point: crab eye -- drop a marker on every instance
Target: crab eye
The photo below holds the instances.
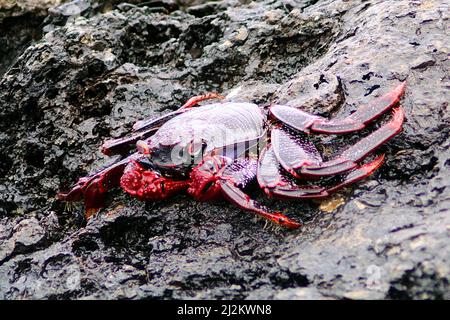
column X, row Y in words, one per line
column 195, row 149
column 143, row 147
column 207, row 186
column 208, row 166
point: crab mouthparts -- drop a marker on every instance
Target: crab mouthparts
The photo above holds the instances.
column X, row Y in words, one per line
column 143, row 147
column 203, row 186
column 131, row 182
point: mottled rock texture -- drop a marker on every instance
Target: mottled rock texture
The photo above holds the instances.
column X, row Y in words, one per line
column 20, row 25
column 96, row 71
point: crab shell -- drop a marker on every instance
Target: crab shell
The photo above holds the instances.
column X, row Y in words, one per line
column 227, row 129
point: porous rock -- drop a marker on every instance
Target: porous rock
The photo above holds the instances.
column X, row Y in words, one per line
column 91, row 76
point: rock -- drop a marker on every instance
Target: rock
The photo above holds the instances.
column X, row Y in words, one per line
column 95, row 72
column 28, row 232
column 21, row 7
column 20, row 25
column 299, row 294
column 312, row 92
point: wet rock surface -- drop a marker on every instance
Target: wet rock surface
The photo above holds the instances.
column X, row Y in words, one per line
column 92, row 76
column 20, row 25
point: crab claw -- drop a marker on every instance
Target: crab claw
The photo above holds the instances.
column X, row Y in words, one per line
column 76, row 193
column 91, row 190
column 93, row 187
column 149, row 185
column 204, row 184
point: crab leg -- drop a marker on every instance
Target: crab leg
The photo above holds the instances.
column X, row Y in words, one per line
column 145, row 128
column 274, row 183
column 196, row 99
column 293, row 117
column 302, row 121
column 300, row 158
column 293, row 151
column 363, row 115
column 270, row 178
column 368, row 144
column 93, row 187
column 347, row 160
column 237, row 176
column 152, row 123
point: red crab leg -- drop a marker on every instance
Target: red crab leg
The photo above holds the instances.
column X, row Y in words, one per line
column 146, row 128
column 363, row 115
column 274, row 183
column 154, row 123
column 359, row 173
column 300, row 158
column 368, row 144
column 293, row 151
column 268, row 174
column 196, row 99
column 93, row 187
column 293, row 117
column 237, row 176
column 347, row 160
column 302, row 121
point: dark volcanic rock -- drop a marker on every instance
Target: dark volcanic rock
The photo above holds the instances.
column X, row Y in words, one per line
column 93, row 75
column 20, row 25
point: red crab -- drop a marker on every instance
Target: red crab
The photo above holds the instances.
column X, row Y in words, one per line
column 219, row 149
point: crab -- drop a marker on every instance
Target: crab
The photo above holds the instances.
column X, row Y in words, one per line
column 219, row 149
